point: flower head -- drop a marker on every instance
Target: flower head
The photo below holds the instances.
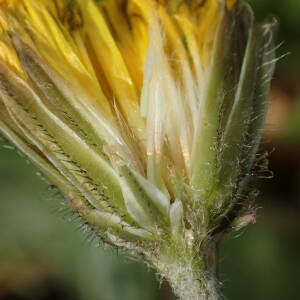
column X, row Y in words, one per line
column 145, row 114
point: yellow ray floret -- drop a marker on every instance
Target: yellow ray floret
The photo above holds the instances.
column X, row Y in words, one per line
column 138, row 68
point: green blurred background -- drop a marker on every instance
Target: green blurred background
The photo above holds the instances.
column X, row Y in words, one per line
column 46, row 254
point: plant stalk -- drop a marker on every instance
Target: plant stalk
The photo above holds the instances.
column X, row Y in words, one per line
column 192, row 276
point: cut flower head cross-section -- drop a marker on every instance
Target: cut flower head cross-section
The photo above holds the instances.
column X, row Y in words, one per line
column 145, row 114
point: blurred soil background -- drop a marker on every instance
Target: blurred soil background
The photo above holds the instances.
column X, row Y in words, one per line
column 43, row 256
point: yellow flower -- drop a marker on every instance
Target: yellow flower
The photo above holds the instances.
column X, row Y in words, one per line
column 145, row 114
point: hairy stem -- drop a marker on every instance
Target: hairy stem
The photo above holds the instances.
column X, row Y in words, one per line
column 192, row 276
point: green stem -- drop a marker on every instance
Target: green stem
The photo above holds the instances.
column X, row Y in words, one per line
column 191, row 278
column 193, row 285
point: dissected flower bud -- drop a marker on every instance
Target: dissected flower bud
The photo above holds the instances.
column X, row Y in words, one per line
column 146, row 115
